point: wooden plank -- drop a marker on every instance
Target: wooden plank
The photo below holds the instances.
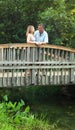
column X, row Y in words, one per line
column 37, row 67
column 36, row 63
column 1, row 54
column 33, row 45
column 72, row 69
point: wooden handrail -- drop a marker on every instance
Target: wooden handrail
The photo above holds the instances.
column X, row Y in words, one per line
column 20, row 45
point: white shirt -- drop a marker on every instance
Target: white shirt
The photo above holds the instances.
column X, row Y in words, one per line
column 43, row 37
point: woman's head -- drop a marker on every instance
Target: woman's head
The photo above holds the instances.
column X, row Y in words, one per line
column 30, row 29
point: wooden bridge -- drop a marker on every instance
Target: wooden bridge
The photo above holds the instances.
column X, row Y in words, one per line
column 26, row 64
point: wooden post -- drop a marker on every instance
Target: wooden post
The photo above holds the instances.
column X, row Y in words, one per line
column 72, row 69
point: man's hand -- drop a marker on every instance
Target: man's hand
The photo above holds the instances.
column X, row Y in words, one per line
column 38, row 43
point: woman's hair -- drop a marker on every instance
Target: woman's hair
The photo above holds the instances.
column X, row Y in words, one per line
column 29, row 29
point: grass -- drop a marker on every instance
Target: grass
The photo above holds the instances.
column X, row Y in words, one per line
column 60, row 115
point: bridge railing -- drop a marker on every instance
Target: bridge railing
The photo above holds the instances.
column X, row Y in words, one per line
column 26, row 64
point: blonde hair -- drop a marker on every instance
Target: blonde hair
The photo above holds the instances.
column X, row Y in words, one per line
column 29, row 29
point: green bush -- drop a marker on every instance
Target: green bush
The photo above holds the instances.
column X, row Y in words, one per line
column 15, row 116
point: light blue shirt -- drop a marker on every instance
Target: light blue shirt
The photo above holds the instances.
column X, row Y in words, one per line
column 43, row 37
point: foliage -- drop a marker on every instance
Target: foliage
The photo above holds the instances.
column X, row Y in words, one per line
column 54, row 112
column 58, row 16
column 60, row 24
column 12, row 21
column 15, row 116
column 15, row 16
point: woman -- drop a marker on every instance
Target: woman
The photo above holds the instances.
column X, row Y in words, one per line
column 30, row 39
column 30, row 34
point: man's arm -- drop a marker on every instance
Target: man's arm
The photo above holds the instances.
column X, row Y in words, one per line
column 46, row 38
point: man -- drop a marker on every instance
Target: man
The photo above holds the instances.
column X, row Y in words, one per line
column 41, row 36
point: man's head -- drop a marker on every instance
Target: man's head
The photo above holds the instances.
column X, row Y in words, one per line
column 41, row 28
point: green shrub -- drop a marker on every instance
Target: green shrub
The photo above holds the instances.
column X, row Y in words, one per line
column 15, row 116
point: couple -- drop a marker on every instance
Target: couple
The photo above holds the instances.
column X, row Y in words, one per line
column 38, row 37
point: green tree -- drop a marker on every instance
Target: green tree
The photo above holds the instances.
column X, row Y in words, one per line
column 11, row 21
column 15, row 16
column 58, row 16
column 59, row 23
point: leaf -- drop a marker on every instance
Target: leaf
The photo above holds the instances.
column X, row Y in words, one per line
column 5, row 98
column 17, row 120
column 27, row 109
column 22, row 102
